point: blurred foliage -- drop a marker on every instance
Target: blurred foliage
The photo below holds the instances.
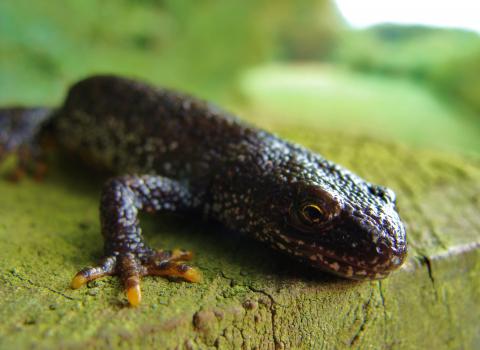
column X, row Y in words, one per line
column 310, row 32
column 459, row 78
column 209, row 48
column 448, row 59
column 199, row 46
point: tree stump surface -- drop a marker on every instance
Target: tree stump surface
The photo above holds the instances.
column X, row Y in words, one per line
column 250, row 297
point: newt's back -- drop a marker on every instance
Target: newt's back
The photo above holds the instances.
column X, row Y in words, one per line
column 125, row 125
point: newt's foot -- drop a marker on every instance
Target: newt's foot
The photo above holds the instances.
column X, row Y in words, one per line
column 19, row 141
column 25, row 161
column 32, row 169
column 130, row 268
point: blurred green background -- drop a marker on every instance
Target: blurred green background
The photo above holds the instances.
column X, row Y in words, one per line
column 276, row 63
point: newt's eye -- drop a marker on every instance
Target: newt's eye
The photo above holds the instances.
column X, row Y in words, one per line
column 313, row 209
column 312, row 214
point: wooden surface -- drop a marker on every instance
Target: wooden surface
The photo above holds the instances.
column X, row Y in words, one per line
column 251, row 297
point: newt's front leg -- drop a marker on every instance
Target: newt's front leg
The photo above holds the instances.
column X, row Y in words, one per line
column 125, row 251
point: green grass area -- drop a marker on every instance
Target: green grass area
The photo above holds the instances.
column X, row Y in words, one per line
column 328, row 98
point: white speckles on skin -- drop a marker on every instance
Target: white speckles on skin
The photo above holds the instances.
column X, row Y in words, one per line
column 329, row 253
column 335, row 266
column 396, row 260
column 285, row 238
column 349, row 271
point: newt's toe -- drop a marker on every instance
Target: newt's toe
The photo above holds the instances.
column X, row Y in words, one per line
column 130, row 268
column 28, row 164
column 175, row 269
column 132, row 290
column 173, row 255
column 193, row 275
column 78, row 281
column 106, row 267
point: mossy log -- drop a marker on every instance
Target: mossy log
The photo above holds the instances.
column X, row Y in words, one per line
column 250, row 297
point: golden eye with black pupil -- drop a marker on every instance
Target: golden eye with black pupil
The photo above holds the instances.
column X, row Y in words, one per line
column 312, row 213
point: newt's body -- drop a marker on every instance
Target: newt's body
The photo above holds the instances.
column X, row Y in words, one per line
column 189, row 156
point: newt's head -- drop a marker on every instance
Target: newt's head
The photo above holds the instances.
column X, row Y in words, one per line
column 336, row 221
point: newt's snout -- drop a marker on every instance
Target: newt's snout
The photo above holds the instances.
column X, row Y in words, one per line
column 361, row 251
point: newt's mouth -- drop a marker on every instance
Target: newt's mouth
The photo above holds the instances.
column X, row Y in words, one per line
column 347, row 256
column 353, row 268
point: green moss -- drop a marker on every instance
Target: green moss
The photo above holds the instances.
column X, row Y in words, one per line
column 250, row 295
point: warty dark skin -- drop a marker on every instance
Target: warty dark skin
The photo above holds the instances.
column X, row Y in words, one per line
column 176, row 153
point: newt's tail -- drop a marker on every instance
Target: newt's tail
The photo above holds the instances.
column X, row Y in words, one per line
column 20, row 132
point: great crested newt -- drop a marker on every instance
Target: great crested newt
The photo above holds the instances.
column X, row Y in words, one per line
column 175, row 153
